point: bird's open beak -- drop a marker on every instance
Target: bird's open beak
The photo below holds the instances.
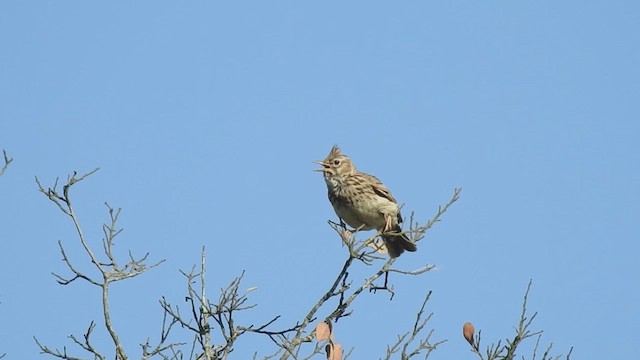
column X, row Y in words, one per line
column 325, row 166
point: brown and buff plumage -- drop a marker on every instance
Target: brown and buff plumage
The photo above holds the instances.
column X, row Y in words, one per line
column 363, row 202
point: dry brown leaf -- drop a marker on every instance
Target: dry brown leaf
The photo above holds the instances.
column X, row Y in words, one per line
column 323, row 331
column 333, row 351
column 467, row 332
column 336, row 353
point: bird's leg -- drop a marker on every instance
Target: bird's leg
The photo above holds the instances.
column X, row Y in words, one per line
column 387, row 223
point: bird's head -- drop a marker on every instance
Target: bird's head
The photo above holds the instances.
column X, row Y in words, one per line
column 336, row 166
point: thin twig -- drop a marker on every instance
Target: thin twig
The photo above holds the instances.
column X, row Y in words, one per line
column 7, row 161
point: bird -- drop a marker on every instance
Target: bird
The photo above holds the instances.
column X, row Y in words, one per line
column 361, row 201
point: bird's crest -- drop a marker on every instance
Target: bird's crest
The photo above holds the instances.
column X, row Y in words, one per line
column 335, row 151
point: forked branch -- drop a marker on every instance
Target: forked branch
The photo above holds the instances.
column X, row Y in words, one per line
column 213, row 324
column 109, row 271
column 7, row 161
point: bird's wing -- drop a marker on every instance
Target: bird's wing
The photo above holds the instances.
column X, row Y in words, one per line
column 380, row 189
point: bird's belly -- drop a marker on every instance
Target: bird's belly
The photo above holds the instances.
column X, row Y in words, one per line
column 361, row 218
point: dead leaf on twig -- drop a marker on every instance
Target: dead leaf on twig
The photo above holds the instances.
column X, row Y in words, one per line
column 323, row 331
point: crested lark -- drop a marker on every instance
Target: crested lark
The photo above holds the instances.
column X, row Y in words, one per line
column 363, row 202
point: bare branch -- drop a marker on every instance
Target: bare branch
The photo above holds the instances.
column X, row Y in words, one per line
column 86, row 344
column 508, row 352
column 405, row 340
column 7, row 161
column 419, row 231
column 162, row 346
column 78, row 274
column 424, row 344
column 55, row 352
column 207, row 316
column 110, row 271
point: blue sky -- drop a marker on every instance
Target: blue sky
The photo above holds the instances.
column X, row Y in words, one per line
column 205, row 119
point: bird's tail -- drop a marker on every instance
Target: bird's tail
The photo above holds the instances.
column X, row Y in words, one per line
column 397, row 243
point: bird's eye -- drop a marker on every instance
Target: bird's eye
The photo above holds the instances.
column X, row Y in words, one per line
column 336, row 162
